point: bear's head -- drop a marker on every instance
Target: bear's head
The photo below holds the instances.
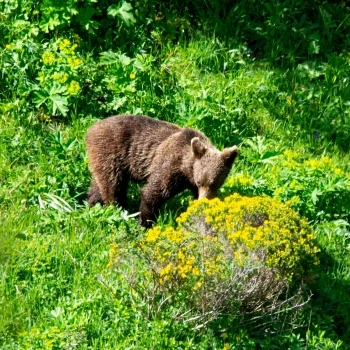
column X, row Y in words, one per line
column 210, row 167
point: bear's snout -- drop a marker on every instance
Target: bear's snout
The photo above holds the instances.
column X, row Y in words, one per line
column 205, row 192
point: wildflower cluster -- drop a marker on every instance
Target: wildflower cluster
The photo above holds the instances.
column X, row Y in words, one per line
column 51, row 338
column 260, row 229
column 224, row 256
column 240, row 180
column 175, row 258
column 73, row 87
column 317, row 188
column 48, row 57
column 60, row 65
column 60, row 77
column 242, row 183
column 113, row 254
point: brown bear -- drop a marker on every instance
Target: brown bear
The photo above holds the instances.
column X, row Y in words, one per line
column 164, row 156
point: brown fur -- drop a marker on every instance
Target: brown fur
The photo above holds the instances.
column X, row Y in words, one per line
column 169, row 159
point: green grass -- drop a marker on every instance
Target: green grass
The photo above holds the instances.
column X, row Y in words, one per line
column 242, row 74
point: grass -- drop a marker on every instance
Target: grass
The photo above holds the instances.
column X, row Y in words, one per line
column 264, row 86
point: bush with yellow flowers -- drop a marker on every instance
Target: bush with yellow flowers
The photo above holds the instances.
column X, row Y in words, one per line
column 238, row 256
column 59, row 78
column 317, row 188
column 63, row 72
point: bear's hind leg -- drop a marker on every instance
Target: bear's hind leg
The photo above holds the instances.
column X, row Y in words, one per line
column 113, row 187
column 94, row 194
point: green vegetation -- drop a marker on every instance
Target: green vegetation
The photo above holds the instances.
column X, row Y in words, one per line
column 271, row 77
column 271, row 246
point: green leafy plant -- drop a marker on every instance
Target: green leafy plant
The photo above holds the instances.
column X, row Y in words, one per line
column 316, row 187
column 58, row 78
column 53, row 98
column 123, row 12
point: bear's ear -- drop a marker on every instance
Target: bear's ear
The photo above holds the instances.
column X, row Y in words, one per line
column 198, row 147
column 229, row 155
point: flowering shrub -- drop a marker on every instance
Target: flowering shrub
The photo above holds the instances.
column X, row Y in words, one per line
column 234, row 256
column 317, row 188
column 59, row 79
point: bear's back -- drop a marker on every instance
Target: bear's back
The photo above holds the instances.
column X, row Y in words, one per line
column 128, row 127
column 132, row 139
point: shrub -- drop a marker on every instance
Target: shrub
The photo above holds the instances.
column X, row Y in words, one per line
column 241, row 256
column 317, row 187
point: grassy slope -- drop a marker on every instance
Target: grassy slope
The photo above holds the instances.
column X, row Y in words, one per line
column 55, row 286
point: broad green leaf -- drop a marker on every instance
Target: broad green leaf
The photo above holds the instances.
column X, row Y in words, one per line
column 113, row 10
column 57, row 312
column 315, row 194
column 60, row 103
column 111, row 57
column 314, row 47
column 125, row 60
column 54, row 99
column 270, row 157
column 123, row 12
column 47, row 24
column 85, row 15
column 34, row 31
column 57, row 89
column 41, row 97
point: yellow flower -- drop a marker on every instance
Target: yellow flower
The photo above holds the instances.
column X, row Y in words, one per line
column 113, row 255
column 166, row 270
column 196, row 271
column 313, row 164
column 339, row 172
column 198, row 285
column 73, row 87
column 74, row 61
column 295, row 200
column 64, row 46
column 294, row 185
column 327, row 160
column 153, row 234
column 213, row 236
column 278, row 192
column 8, row 46
column 60, row 77
column 132, row 76
column 290, row 154
column 48, row 57
column 240, row 180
